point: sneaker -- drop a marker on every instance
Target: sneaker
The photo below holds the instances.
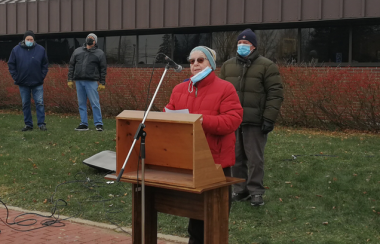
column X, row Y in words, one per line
column 27, row 127
column 82, row 127
column 257, row 200
column 43, row 128
column 238, row 197
column 99, row 127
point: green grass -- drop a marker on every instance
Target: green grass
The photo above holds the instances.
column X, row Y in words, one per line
column 340, row 187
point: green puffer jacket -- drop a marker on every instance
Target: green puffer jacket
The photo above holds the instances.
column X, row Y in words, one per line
column 258, row 84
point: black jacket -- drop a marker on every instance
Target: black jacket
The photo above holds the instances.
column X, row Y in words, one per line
column 258, row 84
column 88, row 64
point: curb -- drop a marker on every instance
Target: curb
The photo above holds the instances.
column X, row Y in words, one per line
column 175, row 239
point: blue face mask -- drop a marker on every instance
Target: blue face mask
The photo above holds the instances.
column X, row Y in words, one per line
column 28, row 43
column 244, row 49
column 201, row 75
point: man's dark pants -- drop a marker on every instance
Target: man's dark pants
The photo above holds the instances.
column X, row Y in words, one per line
column 249, row 164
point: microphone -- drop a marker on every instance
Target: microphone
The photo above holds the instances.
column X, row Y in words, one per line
column 176, row 67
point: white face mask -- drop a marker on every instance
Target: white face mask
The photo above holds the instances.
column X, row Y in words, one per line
column 198, row 77
column 201, row 75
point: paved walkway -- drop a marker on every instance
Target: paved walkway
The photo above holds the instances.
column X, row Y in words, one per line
column 73, row 231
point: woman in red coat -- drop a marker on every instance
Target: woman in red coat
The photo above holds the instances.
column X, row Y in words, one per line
column 216, row 99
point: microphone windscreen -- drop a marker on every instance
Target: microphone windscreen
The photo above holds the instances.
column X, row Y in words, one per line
column 179, row 68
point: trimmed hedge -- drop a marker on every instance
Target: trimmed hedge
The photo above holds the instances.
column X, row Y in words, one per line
column 345, row 98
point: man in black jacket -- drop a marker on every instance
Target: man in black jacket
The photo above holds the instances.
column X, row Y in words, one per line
column 258, row 84
column 88, row 65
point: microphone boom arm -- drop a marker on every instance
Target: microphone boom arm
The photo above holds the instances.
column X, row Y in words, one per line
column 142, row 125
column 141, row 133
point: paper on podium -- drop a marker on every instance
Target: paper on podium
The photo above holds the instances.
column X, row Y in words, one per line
column 180, row 111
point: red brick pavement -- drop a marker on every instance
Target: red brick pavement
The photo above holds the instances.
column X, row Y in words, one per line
column 69, row 233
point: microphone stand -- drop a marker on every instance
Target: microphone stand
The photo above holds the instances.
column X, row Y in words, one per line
column 141, row 133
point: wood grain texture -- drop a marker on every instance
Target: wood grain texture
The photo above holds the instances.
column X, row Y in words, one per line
column 177, row 152
column 210, row 206
column 179, row 203
column 229, row 181
column 216, row 216
column 136, row 215
column 205, row 170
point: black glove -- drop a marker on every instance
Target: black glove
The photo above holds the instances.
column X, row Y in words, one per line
column 267, row 126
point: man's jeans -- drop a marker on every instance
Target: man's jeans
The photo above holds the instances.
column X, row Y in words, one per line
column 88, row 89
column 38, row 97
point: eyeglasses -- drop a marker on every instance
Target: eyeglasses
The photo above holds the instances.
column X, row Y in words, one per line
column 199, row 60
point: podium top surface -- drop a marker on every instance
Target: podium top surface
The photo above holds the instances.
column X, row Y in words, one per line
column 229, row 181
column 159, row 116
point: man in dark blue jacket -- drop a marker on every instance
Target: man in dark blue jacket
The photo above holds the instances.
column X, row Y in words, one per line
column 88, row 65
column 28, row 65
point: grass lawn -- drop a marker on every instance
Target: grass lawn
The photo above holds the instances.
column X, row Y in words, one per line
column 328, row 193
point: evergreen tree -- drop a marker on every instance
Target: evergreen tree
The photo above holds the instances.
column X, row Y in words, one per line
column 165, row 48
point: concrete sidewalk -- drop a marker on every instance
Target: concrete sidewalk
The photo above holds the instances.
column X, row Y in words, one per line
column 73, row 231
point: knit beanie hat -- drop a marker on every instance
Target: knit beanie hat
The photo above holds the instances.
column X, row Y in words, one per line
column 94, row 36
column 210, row 54
column 248, row 35
column 29, row 33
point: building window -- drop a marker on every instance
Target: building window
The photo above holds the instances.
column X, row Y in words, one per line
column 184, row 43
column 41, row 42
column 366, row 44
column 121, row 50
column 151, row 45
column 79, row 42
column 224, row 43
column 325, row 45
column 59, row 50
column 280, row 46
column 6, row 48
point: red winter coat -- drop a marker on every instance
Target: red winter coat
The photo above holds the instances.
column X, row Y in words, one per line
column 218, row 102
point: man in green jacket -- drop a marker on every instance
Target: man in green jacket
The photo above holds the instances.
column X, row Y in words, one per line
column 258, row 84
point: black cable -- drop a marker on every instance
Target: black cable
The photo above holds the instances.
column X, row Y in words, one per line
column 44, row 223
column 54, row 219
column 88, row 183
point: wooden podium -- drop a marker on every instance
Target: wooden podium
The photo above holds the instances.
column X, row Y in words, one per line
column 181, row 177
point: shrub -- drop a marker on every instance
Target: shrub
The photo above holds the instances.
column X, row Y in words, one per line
column 331, row 97
column 321, row 97
column 126, row 89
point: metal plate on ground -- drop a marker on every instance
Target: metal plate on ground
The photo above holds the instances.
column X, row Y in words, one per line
column 105, row 160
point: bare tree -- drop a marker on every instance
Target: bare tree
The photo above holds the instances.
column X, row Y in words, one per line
column 224, row 44
column 267, row 42
column 126, row 51
column 277, row 45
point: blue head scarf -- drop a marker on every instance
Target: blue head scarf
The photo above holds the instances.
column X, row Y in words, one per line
column 210, row 54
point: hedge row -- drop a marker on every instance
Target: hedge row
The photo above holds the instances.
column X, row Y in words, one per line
column 345, row 98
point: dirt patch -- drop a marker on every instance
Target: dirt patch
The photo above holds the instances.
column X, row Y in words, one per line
column 4, row 190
